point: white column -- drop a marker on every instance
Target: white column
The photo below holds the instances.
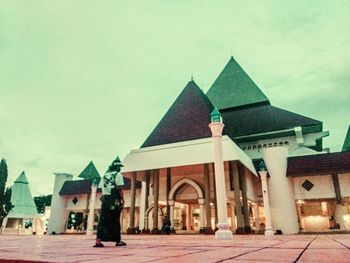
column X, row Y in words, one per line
column 233, row 217
column 58, row 205
column 256, row 215
column 142, row 206
column 268, row 224
column 91, row 216
column 223, row 231
column 171, row 204
column 339, row 216
column 188, row 218
column 201, row 213
column 281, row 193
column 301, row 221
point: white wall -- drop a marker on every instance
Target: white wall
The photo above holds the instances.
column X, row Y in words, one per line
column 344, row 182
column 82, row 203
column 323, row 187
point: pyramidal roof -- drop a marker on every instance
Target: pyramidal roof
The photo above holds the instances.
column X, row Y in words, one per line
column 90, row 172
column 187, row 119
column 234, row 88
column 22, row 200
column 346, row 145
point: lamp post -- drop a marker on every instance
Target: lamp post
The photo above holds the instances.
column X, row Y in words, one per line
column 263, row 177
column 216, row 127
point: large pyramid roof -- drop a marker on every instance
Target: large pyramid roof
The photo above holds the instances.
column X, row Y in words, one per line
column 234, row 88
column 187, row 119
column 22, row 200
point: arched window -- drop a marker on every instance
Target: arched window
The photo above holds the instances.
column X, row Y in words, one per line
column 254, row 147
column 249, row 147
column 275, row 144
column 286, row 143
column 270, row 144
column 281, row 143
column 259, row 146
column 265, row 145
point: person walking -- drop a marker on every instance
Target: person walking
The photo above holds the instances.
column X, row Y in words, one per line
column 108, row 228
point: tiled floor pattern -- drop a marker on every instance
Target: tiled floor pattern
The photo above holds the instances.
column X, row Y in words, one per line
column 178, row 248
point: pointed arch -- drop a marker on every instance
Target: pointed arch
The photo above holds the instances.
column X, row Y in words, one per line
column 151, row 207
column 183, row 181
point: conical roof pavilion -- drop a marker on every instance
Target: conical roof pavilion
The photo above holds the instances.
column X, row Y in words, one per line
column 187, row 119
column 22, row 200
column 234, row 88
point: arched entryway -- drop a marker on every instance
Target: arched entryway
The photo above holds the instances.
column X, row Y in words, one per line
column 149, row 217
column 186, row 201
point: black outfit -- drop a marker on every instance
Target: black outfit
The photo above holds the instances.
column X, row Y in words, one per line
column 166, row 226
column 108, row 228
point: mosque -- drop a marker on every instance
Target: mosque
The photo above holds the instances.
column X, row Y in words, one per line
column 226, row 160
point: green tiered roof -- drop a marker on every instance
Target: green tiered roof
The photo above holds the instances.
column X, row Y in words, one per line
column 346, row 145
column 22, row 200
column 90, row 172
column 234, row 88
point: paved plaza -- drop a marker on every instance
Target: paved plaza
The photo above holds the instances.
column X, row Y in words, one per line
column 177, row 248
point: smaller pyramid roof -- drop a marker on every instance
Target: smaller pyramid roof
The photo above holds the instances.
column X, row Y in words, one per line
column 90, row 172
column 22, row 200
column 234, row 88
column 346, row 145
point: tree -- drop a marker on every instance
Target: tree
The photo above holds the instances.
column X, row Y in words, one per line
column 42, row 201
column 5, row 193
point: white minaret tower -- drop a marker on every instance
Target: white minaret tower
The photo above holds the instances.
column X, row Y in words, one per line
column 58, row 205
column 216, row 127
column 280, row 190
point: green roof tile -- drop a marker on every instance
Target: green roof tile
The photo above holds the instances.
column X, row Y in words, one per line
column 234, row 88
column 90, row 172
column 346, row 145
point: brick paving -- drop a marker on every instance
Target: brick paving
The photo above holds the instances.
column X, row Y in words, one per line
column 177, row 248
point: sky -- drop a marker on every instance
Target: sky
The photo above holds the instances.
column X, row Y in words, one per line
column 89, row 80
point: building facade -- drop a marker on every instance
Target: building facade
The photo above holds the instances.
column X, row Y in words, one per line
column 174, row 173
column 175, row 164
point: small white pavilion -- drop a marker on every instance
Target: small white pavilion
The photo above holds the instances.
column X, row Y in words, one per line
column 22, row 217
